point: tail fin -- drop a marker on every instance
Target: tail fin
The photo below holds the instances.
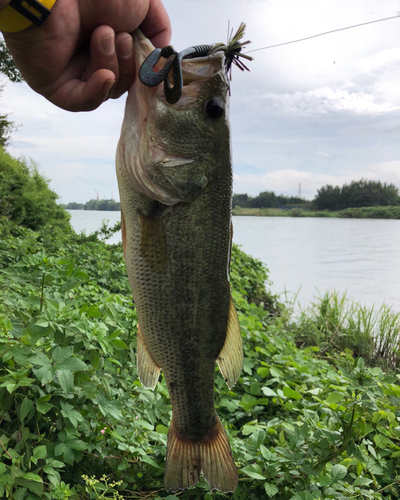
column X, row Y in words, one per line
column 212, row 456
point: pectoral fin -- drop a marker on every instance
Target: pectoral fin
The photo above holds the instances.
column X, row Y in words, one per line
column 230, row 359
column 148, row 370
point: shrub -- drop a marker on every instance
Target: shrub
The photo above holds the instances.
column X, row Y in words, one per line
column 297, row 212
column 25, row 196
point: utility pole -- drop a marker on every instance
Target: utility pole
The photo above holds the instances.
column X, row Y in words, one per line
column 299, row 189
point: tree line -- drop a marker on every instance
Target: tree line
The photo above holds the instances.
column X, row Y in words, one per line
column 363, row 193
column 107, row 205
column 357, row 194
column 268, row 199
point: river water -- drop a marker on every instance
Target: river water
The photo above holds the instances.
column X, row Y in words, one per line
column 309, row 255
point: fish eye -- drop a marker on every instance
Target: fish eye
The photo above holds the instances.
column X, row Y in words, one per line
column 215, row 108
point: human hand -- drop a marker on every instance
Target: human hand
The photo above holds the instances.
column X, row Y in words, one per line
column 83, row 53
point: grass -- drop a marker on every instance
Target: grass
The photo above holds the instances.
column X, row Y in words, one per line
column 335, row 324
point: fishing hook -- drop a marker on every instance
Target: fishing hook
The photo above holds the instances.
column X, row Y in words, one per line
column 152, row 78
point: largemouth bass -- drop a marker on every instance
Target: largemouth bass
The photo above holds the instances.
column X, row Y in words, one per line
column 175, row 181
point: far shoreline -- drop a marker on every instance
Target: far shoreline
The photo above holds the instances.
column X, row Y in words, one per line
column 389, row 212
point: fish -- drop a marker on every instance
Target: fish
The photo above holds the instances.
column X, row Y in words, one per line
column 174, row 174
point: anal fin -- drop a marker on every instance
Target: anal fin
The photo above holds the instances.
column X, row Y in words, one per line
column 148, row 370
column 211, row 455
column 230, row 359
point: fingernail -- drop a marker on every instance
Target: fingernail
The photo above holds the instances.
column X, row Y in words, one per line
column 108, row 45
column 107, row 87
column 125, row 47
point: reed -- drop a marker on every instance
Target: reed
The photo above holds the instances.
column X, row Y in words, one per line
column 335, row 323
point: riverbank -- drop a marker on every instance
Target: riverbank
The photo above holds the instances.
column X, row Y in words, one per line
column 307, row 417
column 391, row 212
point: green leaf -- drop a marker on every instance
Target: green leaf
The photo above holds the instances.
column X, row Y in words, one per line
column 40, row 452
column 275, row 372
column 94, row 358
column 26, row 406
column 267, row 454
column 338, row 472
column 290, row 393
column 263, row 372
column 247, row 429
column 66, row 379
column 69, row 412
column 253, row 471
column 269, row 392
column 119, row 344
column 42, row 406
column 32, row 477
column 271, row 489
column 257, row 438
column 150, row 461
column 162, row 429
column 334, row 397
column 381, row 441
column 111, row 408
column 362, row 481
column 40, row 359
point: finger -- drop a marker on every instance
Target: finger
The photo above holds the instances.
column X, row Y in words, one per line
column 102, row 53
column 126, row 61
column 76, row 95
column 157, row 26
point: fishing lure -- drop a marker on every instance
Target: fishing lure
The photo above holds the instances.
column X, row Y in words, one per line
column 233, row 54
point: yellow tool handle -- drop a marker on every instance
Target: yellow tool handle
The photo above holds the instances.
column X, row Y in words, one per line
column 12, row 19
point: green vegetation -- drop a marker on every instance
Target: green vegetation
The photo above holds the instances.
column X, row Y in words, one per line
column 371, row 213
column 306, row 420
column 25, row 196
column 6, row 125
column 7, row 66
column 110, row 205
column 315, row 414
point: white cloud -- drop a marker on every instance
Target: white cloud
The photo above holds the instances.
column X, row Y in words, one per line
column 325, row 100
column 387, row 171
column 287, row 182
column 384, row 60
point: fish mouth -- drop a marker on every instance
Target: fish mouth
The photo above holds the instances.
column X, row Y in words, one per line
column 145, row 153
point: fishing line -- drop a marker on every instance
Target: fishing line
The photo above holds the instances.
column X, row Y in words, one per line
column 324, row 33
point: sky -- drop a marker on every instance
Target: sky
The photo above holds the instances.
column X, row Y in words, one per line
column 317, row 112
